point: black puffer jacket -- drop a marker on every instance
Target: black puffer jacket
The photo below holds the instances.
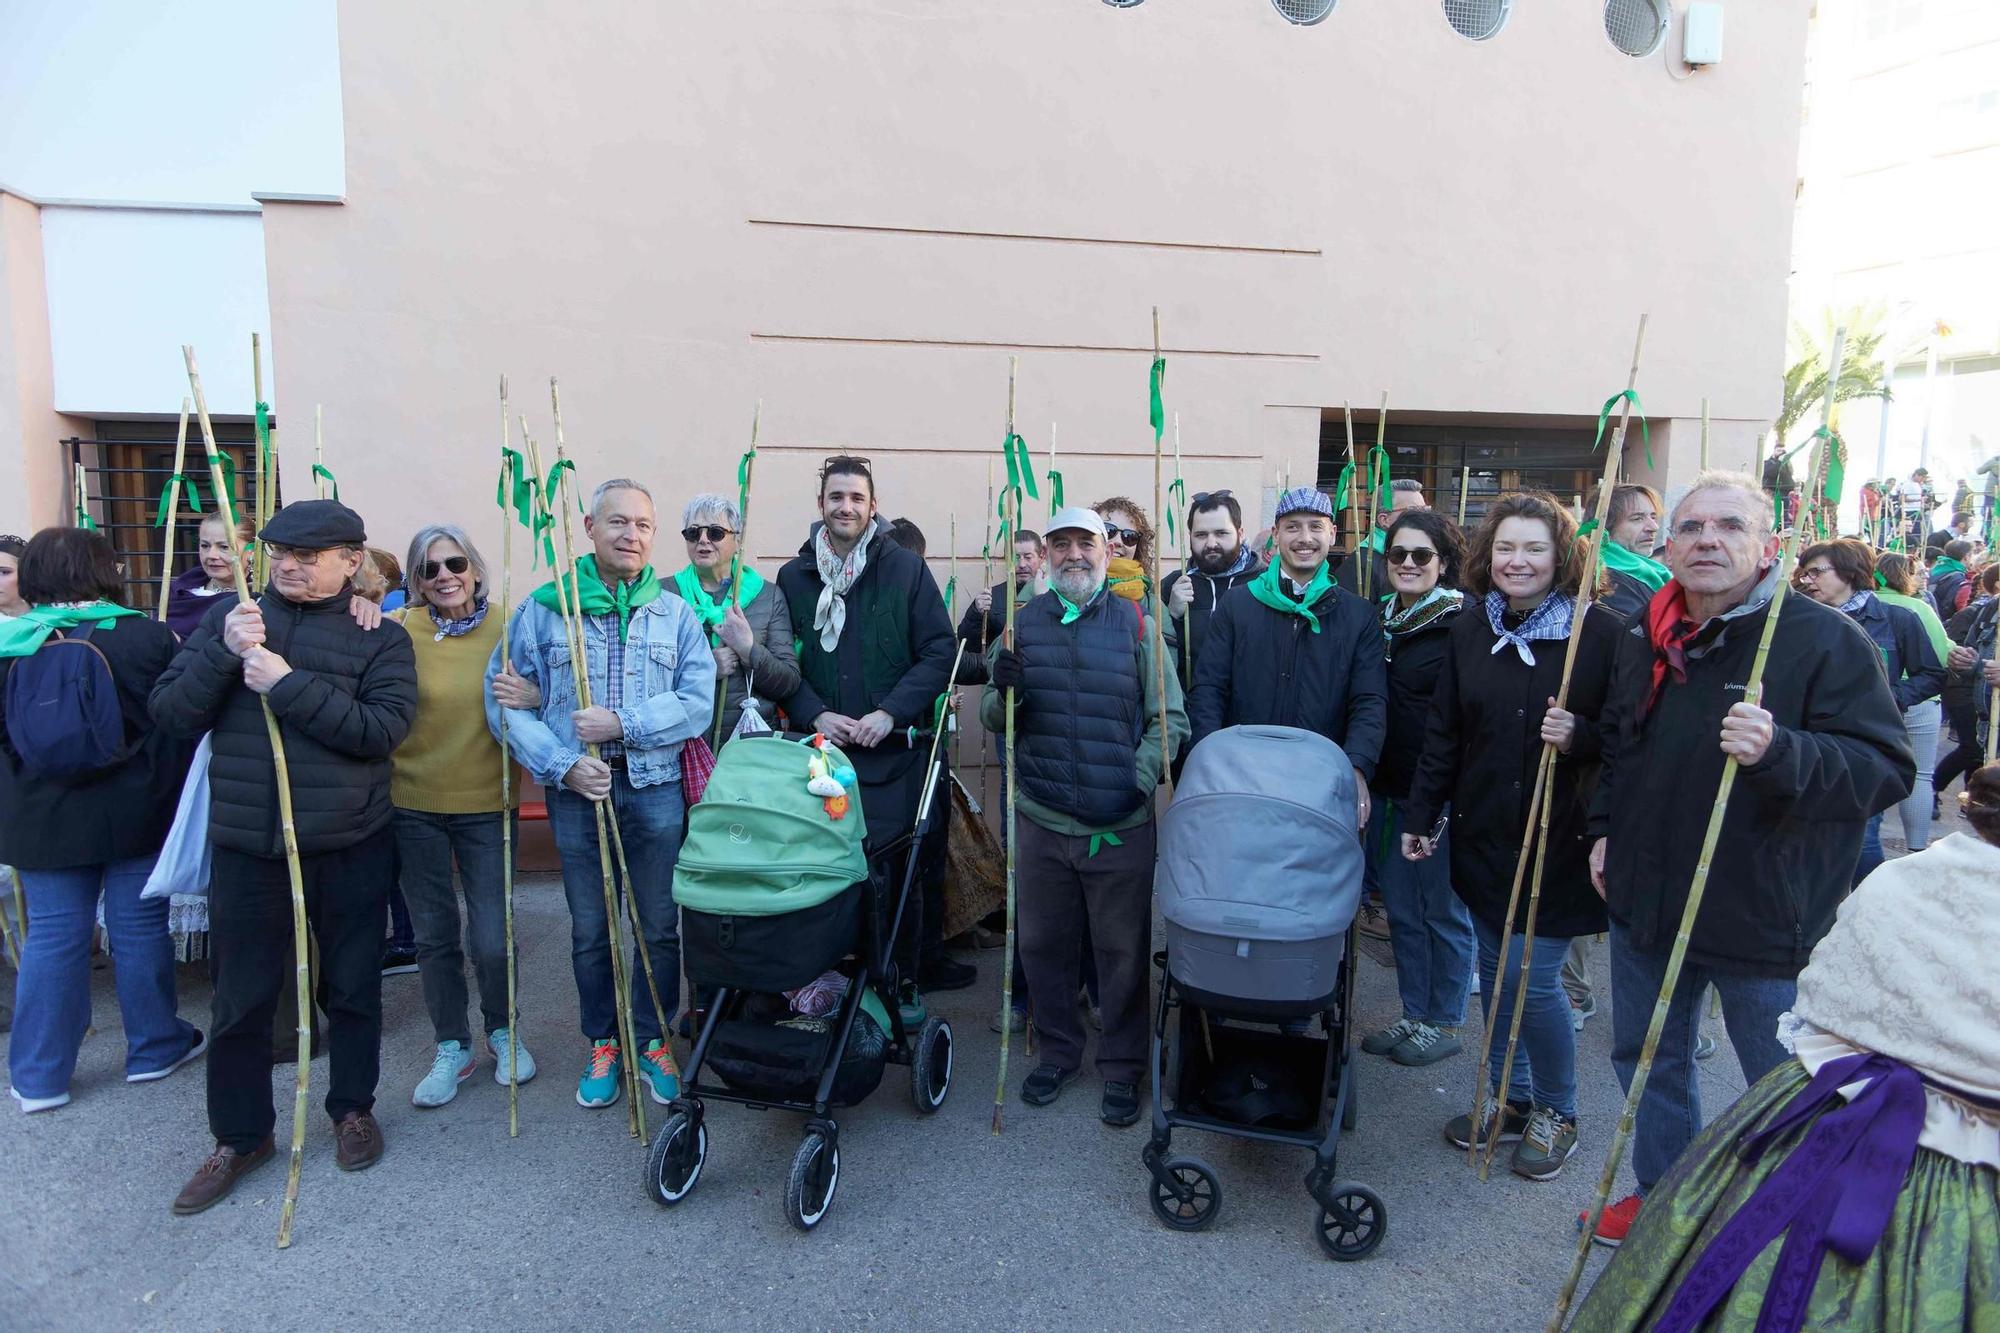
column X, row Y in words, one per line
column 1627, row 596
column 1209, row 590
column 1481, row 752
column 346, row 705
column 1415, row 658
column 1081, row 708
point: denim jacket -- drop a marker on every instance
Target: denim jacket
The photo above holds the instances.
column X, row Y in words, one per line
column 669, row 689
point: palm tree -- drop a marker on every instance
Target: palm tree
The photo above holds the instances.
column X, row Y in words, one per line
column 1860, row 366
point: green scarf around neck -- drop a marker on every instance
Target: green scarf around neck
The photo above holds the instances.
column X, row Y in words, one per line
column 28, row 631
column 1947, row 565
column 1643, row 568
column 596, row 598
column 1071, row 610
column 1267, row 589
column 708, row 607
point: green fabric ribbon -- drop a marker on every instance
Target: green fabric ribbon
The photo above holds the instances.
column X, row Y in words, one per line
column 1156, row 407
column 30, row 630
column 1020, row 465
column 1267, row 589
column 552, row 488
column 264, row 433
column 1632, row 564
column 1099, row 840
column 1881, row 583
column 1378, row 467
column 515, row 489
column 709, row 609
column 1836, row 463
column 321, row 470
column 1055, row 492
column 167, row 493
column 1176, row 502
column 227, row 505
column 1947, row 565
column 743, row 469
column 1343, row 488
column 950, row 593
column 1604, row 417
column 1070, row 609
column 595, row 598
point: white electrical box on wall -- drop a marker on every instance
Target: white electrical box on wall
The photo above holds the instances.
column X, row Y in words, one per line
column 1701, row 34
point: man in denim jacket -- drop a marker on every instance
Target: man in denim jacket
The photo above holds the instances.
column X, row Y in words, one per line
column 652, row 686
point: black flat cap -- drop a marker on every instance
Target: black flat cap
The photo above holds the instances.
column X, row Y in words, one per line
column 315, row 525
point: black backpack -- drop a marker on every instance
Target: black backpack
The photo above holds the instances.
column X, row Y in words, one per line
column 63, row 715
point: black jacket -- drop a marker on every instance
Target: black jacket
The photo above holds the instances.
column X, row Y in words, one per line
column 1793, row 828
column 1187, row 634
column 1627, row 596
column 118, row 814
column 979, row 633
column 1482, row 749
column 1266, row 667
column 1908, row 657
column 1081, row 709
column 346, row 705
column 1414, row 659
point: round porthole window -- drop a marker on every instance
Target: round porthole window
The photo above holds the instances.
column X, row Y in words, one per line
column 1303, row 12
column 1477, row 19
column 1636, row 27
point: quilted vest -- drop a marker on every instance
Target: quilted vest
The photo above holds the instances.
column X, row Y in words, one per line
column 1081, row 714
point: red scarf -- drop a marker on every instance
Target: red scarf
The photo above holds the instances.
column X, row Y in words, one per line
column 1668, row 629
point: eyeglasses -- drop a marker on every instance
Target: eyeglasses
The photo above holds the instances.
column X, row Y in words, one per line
column 299, row 554
column 1692, row 529
column 457, row 564
column 1420, row 556
column 1130, row 536
column 1203, row 499
column 1815, row 573
column 715, row 532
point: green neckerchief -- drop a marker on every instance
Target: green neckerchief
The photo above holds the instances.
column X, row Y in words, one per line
column 596, row 599
column 1376, row 538
column 1947, row 565
column 1072, row 610
column 1643, row 568
column 1267, row 589
column 31, row 629
column 705, row 605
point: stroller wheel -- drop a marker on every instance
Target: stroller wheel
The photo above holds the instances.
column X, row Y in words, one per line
column 815, row 1175
column 1352, row 1221
column 674, row 1164
column 1195, row 1199
column 930, row 1065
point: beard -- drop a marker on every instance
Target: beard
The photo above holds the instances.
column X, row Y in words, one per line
column 1077, row 584
column 1214, row 562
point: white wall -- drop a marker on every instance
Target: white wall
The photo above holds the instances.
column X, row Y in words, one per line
column 126, row 289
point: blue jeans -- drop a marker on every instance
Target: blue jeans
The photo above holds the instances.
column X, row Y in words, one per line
column 1670, row 1110
column 429, row 843
column 650, row 819
column 52, row 995
column 1429, row 928
column 1871, row 850
column 1545, row 1059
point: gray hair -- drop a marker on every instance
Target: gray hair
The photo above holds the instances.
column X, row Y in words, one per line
column 1406, row 484
column 707, row 505
column 1743, row 482
column 420, row 549
column 605, row 488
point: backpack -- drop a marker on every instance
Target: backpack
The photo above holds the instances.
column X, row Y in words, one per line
column 63, row 714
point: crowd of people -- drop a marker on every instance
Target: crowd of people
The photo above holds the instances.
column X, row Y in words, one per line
column 1472, row 654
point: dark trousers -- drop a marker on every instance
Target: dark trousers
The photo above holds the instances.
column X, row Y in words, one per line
column 933, row 864
column 250, row 931
column 430, row 843
column 1061, row 888
column 1971, row 749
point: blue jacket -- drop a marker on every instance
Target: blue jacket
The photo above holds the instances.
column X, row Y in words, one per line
column 1915, row 674
column 668, row 697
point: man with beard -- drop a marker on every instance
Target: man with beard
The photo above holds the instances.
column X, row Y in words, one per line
column 979, row 628
column 875, row 651
column 1087, row 721
column 1221, row 562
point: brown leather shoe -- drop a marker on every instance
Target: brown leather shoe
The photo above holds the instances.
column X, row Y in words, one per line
column 357, row 1141
column 213, row 1180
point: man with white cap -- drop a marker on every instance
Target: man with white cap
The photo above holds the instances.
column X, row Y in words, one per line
column 1087, row 719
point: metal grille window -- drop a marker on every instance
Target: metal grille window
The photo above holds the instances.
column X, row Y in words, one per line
column 1635, row 27
column 1303, row 12
column 1477, row 19
column 1123, row 4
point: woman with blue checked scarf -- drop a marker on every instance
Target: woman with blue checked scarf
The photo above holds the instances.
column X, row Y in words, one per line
column 1493, row 709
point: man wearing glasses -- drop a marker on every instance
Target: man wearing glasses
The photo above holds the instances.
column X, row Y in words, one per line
column 749, row 627
column 344, row 698
column 1222, row 560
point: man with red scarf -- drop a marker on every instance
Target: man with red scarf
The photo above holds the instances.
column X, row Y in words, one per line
column 1822, row 751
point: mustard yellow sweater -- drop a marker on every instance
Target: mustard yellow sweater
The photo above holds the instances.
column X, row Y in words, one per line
column 450, row 763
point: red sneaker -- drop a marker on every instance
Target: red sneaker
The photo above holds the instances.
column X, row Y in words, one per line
column 1615, row 1221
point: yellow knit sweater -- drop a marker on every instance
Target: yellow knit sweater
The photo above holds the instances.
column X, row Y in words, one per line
column 450, row 763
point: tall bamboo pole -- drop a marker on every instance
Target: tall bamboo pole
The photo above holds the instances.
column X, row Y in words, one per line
column 736, row 569
column 1007, row 782
column 300, row 955
column 957, row 731
column 1464, row 486
column 258, row 498
column 985, row 584
column 172, row 506
column 1366, row 574
column 1704, row 434
column 1187, row 570
column 1753, row 693
column 507, row 480
column 1353, row 496
column 1159, row 606
column 319, row 451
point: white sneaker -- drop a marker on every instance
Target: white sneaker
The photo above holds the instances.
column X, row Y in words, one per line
column 496, row 1042
column 30, row 1105
column 452, row 1067
column 194, row 1051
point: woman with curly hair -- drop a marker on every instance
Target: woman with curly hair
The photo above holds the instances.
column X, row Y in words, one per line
column 1130, row 535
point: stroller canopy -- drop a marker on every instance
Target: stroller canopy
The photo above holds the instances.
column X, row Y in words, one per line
column 760, row 844
column 1260, row 843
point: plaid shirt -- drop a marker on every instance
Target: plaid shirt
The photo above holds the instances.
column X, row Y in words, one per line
column 614, row 679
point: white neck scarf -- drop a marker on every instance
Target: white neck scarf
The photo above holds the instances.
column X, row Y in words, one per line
column 836, row 576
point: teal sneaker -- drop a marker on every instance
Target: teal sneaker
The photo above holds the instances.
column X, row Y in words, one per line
column 451, row 1067
column 497, row 1042
column 663, row 1076
column 599, row 1084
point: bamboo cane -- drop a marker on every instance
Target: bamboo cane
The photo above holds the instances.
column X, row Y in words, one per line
column 985, row 583
column 173, row 505
column 300, row 953
column 1464, row 486
column 1544, row 798
column 319, row 451
column 1159, row 607
column 1007, row 817
column 957, row 731
column 258, row 513
column 507, row 776
column 1992, row 723
column 1366, row 574
column 736, row 568
column 1187, row 571
column 1704, row 434
column 1052, row 466
column 1353, row 496
column 1753, row 693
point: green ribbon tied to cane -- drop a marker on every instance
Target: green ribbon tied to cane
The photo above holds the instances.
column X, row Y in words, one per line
column 552, row 488
column 1098, row 841
column 1020, row 465
column 1156, row 406
column 83, row 518
column 1343, row 488
column 1176, row 502
column 264, row 433
column 1604, row 417
column 1378, row 482
column 1055, row 491
column 321, row 470
column 950, row 593
column 188, row 489
column 1587, row 527
column 743, row 469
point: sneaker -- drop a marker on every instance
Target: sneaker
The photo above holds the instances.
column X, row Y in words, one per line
column 946, row 974
column 1427, row 1045
column 663, row 1076
column 1389, row 1038
column 1046, row 1084
column 1550, row 1140
column 599, row 1084
column 397, row 962
column 450, row 1067
column 911, row 1002
column 1614, row 1222
column 1374, row 921
column 1579, row 1012
column 30, row 1105
column 1458, row 1130
column 1120, row 1104
column 200, row 1045
column 1704, row 1046
column 496, row 1043
column 1017, row 1022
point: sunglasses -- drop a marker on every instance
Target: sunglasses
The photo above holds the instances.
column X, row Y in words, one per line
column 1420, row 556
column 304, row 556
column 430, row 569
column 1130, row 536
column 1203, row 499
column 715, row 532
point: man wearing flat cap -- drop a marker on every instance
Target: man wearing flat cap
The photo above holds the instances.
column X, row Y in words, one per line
column 1087, row 719
column 344, row 698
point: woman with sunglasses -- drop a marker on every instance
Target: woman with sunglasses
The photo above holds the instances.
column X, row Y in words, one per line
column 1130, row 537
column 445, row 785
column 1493, row 711
column 1429, row 928
column 750, row 632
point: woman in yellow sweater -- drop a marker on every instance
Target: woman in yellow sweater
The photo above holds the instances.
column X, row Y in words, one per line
column 445, row 784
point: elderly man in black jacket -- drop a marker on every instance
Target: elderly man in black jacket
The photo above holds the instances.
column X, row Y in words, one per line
column 344, row 698
column 1290, row 649
column 1819, row 752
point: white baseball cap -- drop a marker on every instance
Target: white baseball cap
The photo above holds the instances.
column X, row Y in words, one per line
column 1076, row 516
